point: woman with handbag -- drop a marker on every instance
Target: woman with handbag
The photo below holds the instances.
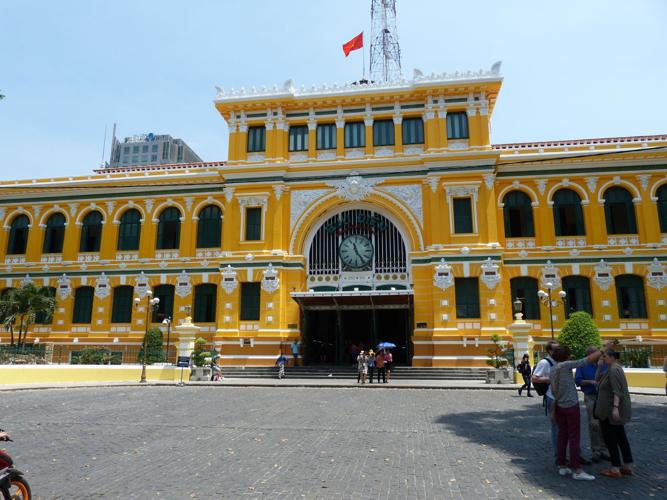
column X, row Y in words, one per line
column 565, row 411
column 613, row 409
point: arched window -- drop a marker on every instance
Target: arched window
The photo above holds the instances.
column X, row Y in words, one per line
column 518, row 215
column 578, row 298
column 41, row 318
column 121, row 311
column 205, row 297
column 169, row 229
column 91, row 232
column 129, row 230
column 630, row 296
column 619, row 211
column 568, row 215
column 662, row 207
column 18, row 235
column 83, row 305
column 209, row 228
column 525, row 289
column 54, row 234
column 165, row 308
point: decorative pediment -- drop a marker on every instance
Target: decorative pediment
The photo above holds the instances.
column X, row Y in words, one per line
column 183, row 284
column 656, row 275
column 64, row 287
column 443, row 277
column 550, row 274
column 603, row 276
column 141, row 285
column 102, row 288
column 490, row 274
column 229, row 280
column 354, row 187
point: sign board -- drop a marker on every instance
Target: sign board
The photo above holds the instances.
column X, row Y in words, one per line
column 183, row 362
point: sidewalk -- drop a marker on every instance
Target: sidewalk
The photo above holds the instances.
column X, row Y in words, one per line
column 321, row 383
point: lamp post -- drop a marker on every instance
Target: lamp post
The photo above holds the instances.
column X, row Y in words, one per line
column 517, row 306
column 151, row 303
column 545, row 298
column 167, row 321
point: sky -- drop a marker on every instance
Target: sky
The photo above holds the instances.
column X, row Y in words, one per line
column 572, row 69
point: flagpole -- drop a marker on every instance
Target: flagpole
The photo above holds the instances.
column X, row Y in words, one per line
column 363, row 55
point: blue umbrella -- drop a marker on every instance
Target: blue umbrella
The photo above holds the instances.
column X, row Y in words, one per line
column 386, row 345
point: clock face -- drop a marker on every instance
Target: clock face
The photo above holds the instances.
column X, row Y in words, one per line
column 356, row 251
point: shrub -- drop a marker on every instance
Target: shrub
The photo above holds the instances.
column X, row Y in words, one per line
column 636, row 357
column 96, row 356
column 578, row 333
column 154, row 350
column 201, row 357
column 497, row 354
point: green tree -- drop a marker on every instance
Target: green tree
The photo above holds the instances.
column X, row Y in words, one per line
column 200, row 356
column 20, row 306
column 496, row 353
column 154, row 350
column 578, row 333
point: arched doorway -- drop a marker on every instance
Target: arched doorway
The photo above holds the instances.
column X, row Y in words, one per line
column 359, row 288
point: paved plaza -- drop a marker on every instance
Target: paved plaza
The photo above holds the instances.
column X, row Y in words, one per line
column 268, row 442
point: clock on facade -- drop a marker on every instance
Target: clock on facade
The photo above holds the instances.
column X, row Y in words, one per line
column 356, row 251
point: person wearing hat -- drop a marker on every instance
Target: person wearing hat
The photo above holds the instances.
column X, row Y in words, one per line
column 362, row 367
column 371, row 365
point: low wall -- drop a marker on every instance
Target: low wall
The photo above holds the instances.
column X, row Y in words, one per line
column 637, row 377
column 44, row 374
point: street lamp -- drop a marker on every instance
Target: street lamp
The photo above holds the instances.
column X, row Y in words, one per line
column 517, row 306
column 167, row 321
column 545, row 298
column 151, row 303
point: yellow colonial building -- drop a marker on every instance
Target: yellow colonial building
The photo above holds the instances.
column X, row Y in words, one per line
column 352, row 214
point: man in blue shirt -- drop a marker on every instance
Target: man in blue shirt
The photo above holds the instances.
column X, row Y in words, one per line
column 585, row 379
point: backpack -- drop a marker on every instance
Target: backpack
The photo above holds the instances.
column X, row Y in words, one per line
column 542, row 387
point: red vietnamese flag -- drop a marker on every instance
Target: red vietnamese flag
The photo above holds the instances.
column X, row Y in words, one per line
column 356, row 43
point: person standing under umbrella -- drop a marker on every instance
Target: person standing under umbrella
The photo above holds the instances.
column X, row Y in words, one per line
column 379, row 364
column 388, row 363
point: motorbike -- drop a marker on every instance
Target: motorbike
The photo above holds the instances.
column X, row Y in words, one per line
column 13, row 486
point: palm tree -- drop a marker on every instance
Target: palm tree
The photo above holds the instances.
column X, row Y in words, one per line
column 21, row 306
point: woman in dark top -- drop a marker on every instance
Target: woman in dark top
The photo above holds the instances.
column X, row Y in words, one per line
column 525, row 371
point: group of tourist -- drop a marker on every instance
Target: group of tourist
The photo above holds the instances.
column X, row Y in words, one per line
column 606, row 398
column 369, row 362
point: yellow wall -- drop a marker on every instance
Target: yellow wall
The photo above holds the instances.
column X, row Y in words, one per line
column 45, row 374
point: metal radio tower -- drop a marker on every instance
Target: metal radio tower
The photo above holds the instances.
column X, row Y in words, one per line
column 385, row 50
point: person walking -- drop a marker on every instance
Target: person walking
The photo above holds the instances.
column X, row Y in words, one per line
column 541, row 378
column 584, row 377
column 280, row 363
column 565, row 411
column 379, row 364
column 614, row 410
column 524, row 369
column 362, row 367
column 371, row 365
column 388, row 363
column 295, row 352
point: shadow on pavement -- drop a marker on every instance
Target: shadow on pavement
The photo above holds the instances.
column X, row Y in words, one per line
column 523, row 434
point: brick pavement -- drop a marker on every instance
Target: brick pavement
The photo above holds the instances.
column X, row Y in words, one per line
column 254, row 442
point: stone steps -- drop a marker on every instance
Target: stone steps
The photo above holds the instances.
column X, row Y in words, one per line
column 344, row 372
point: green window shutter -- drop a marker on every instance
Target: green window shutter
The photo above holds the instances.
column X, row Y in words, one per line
column 205, row 298
column 253, row 224
column 630, row 296
column 54, row 234
column 18, row 235
column 662, row 207
column 91, row 233
column 298, row 138
column 256, row 139
column 250, row 301
column 129, row 230
column 326, row 136
column 83, row 305
column 457, row 125
column 413, row 131
column 525, row 289
column 467, row 297
column 463, row 215
column 169, row 229
column 518, row 215
column 578, row 295
column 355, row 135
column 619, row 211
column 165, row 307
column 209, row 227
column 383, row 133
column 121, row 311
column 568, row 215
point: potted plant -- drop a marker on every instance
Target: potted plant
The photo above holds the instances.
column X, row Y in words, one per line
column 501, row 372
column 201, row 359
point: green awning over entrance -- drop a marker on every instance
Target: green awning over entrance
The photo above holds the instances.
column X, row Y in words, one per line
column 375, row 299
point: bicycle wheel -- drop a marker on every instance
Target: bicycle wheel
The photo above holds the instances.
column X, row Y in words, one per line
column 20, row 489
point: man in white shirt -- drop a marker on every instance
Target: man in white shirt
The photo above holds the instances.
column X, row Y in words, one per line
column 542, row 375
